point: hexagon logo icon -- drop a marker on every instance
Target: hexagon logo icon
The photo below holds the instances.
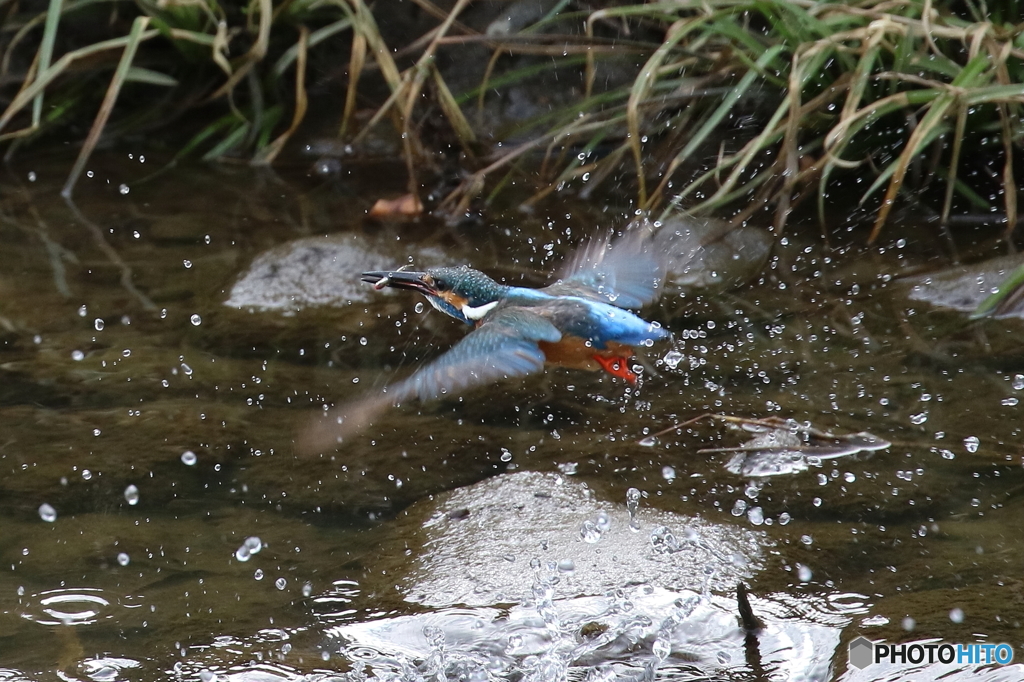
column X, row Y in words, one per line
column 862, row 651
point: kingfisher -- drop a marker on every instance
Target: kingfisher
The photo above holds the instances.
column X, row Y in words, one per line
column 582, row 321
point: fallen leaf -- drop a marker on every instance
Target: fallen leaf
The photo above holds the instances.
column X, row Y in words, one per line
column 405, row 206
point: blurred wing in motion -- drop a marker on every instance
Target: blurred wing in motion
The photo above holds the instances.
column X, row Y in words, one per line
column 626, row 272
column 504, row 345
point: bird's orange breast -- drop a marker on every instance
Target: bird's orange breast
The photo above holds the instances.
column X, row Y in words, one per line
column 574, row 352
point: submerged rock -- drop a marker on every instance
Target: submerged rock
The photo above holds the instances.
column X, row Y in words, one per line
column 963, row 287
column 711, row 254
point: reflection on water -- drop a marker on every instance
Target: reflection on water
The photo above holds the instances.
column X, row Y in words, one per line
column 151, row 496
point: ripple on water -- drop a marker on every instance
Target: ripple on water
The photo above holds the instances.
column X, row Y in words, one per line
column 68, row 606
column 108, row 669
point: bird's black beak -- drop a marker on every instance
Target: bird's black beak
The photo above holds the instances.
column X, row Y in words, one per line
column 401, row 279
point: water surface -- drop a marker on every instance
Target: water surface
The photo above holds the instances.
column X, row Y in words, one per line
column 146, row 432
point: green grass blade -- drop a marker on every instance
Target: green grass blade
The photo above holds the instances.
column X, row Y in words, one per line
column 203, row 135
column 135, row 38
column 452, row 112
column 46, row 53
column 228, row 143
column 1009, row 286
column 858, row 86
column 728, row 102
column 315, row 38
column 138, row 74
column 46, row 77
column 934, row 133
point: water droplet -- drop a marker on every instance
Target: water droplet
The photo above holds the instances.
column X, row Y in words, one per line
column 956, row 615
column 280, row 583
column 187, row 263
column 816, row 501
column 804, row 573
column 506, row 456
column 589, row 532
column 418, row 308
column 258, row 575
column 98, row 324
column 362, row 341
column 739, row 507
column 31, row 176
column 756, row 516
column 188, row 458
column 668, row 473
column 96, row 432
column 77, row 355
column 196, row 320
column 648, row 442
column 784, row 518
column 661, row 648
column 807, row 540
column 83, row 311
column 566, row 566
column 123, row 559
column 131, row 495
column 47, row 513
column 919, row 418
column 849, row 477
column 972, row 443
column 243, row 553
column 1009, row 402
column 632, row 504
column 86, row 474
column 307, row 589
column 822, row 479
column 946, row 454
column 1018, row 382
column 672, row 359
column 123, row 188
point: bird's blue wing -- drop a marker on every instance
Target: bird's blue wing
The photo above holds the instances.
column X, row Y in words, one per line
column 504, row 345
column 626, row 272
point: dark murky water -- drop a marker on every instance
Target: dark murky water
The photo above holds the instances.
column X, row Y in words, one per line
column 146, row 442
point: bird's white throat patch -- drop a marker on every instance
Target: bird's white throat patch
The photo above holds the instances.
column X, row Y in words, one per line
column 479, row 311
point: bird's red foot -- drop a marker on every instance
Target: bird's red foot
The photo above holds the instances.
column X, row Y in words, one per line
column 617, row 367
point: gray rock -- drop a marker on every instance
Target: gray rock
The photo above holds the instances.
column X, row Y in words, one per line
column 706, row 253
column 321, row 271
column 964, row 287
column 483, row 538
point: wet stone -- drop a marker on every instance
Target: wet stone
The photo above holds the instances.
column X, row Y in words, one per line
column 320, row 271
column 467, row 561
column 963, row 287
column 711, row 254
